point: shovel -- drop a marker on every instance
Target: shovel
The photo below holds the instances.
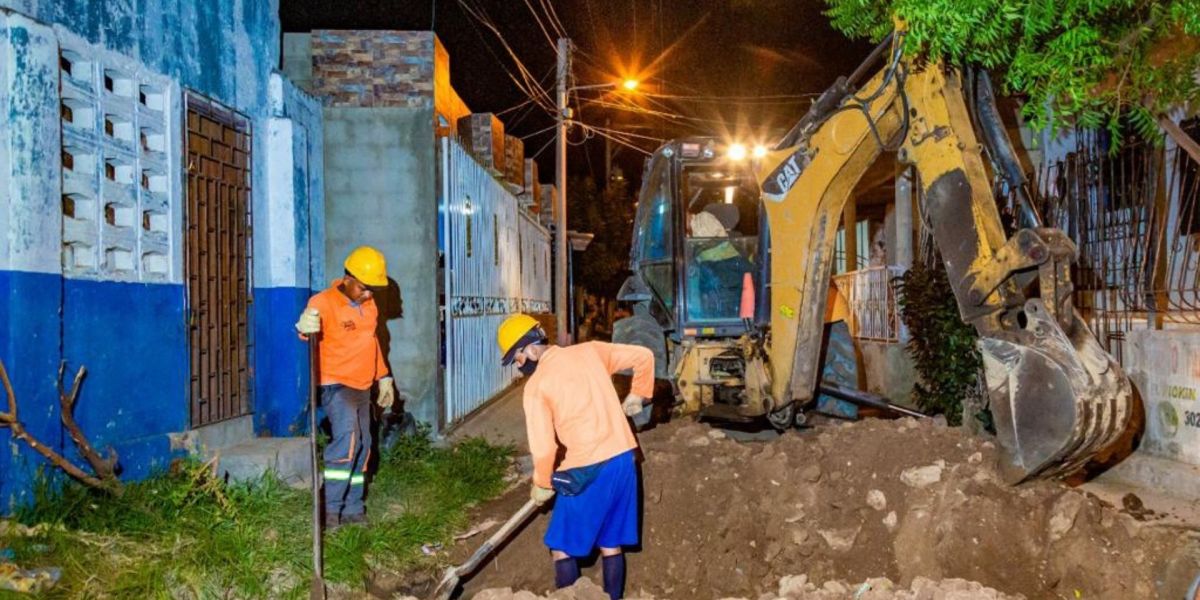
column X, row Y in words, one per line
column 317, row 590
column 450, row 580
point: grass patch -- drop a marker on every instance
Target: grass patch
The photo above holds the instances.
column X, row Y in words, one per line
column 184, row 534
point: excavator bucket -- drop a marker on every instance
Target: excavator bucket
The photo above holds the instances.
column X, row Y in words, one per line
column 1057, row 397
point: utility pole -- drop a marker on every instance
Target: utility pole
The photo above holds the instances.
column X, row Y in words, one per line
column 608, row 156
column 560, row 179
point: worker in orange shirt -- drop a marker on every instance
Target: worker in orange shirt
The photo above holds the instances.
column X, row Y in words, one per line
column 351, row 363
column 570, row 398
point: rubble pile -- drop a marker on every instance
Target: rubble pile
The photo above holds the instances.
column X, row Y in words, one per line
column 912, row 501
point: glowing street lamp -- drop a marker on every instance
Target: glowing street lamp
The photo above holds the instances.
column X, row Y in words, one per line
column 630, row 84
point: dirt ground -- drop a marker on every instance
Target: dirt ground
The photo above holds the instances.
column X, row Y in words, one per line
column 911, row 501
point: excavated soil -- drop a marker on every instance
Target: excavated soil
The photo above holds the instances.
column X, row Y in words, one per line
column 911, row 501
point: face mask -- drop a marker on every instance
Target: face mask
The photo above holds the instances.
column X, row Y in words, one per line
column 528, row 368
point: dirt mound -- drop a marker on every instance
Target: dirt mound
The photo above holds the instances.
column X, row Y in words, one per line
column 897, row 499
column 796, row 587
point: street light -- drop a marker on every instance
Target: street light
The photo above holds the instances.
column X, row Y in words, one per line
column 628, row 84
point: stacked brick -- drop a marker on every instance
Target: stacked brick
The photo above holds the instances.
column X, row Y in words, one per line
column 482, row 134
column 531, row 196
column 374, row 68
column 514, row 160
column 549, row 192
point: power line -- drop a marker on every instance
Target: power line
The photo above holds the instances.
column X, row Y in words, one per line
column 526, row 83
column 553, row 17
column 538, row 19
column 617, row 140
column 671, row 116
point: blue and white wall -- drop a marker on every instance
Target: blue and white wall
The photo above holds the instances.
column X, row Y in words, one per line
column 98, row 286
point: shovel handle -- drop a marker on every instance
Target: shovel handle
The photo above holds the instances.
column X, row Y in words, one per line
column 497, row 538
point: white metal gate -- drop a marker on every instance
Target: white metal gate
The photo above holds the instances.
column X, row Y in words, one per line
column 497, row 262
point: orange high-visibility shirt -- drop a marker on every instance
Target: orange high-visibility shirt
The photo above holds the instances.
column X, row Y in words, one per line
column 571, row 397
column 349, row 351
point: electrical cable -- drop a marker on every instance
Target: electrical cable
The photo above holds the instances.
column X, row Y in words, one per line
column 543, row 148
column 537, row 19
column 552, row 16
column 528, row 83
column 619, row 140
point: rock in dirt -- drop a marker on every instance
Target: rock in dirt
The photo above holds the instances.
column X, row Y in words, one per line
column 975, row 459
column 876, row 500
column 890, row 521
column 1064, row 513
column 584, row 589
column 921, row 477
column 811, row 473
column 840, row 540
column 793, row 584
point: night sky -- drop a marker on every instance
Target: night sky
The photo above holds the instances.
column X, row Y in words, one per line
column 687, row 52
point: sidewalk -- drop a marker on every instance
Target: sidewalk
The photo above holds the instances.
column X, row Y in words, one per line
column 502, row 421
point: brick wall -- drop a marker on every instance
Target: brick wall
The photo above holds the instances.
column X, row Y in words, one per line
column 374, row 68
column 448, row 106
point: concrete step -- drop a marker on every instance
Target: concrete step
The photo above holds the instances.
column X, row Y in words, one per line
column 287, row 458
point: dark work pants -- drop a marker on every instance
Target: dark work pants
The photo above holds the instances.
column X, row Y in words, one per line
column 346, row 456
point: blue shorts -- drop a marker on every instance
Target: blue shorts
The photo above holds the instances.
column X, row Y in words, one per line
column 605, row 515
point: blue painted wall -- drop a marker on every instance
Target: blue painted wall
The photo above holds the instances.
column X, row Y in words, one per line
column 30, row 344
column 132, row 337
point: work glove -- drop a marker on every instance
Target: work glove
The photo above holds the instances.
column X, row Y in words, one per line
column 310, row 322
column 632, row 405
column 539, row 494
column 387, row 393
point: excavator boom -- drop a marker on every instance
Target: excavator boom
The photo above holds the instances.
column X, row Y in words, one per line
column 1056, row 396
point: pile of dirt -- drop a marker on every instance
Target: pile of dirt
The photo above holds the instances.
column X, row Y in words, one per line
column 795, row 587
column 901, row 499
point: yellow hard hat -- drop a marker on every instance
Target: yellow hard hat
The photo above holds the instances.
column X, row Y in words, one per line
column 511, row 331
column 367, row 265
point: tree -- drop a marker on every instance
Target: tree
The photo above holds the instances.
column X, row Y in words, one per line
column 1090, row 62
column 608, row 214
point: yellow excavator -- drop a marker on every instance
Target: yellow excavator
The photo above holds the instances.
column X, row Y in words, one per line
column 732, row 262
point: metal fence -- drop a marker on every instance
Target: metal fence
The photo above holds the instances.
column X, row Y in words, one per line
column 871, row 296
column 496, row 262
column 1134, row 217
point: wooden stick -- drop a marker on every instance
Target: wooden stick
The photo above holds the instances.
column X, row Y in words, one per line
column 1181, row 137
column 104, row 468
column 11, row 420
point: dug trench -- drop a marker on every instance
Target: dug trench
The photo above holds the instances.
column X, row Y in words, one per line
column 824, row 512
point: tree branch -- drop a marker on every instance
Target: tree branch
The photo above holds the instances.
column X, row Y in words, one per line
column 104, row 468
column 10, row 420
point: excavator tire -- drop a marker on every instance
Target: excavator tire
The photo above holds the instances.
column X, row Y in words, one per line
column 642, row 330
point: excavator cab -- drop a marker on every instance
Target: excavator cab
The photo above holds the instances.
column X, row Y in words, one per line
column 697, row 236
column 698, row 267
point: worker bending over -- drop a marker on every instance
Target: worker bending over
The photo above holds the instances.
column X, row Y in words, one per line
column 351, row 362
column 570, row 396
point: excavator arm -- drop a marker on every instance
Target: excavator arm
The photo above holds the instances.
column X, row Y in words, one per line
column 1057, row 398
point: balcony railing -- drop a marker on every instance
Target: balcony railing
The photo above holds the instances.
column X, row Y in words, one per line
column 871, row 296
